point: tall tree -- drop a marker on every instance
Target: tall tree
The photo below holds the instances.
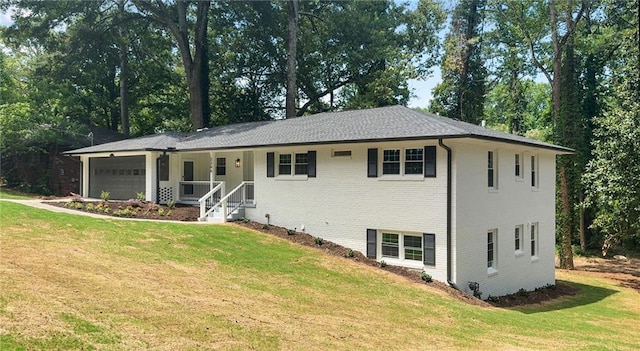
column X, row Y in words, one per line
column 292, row 42
column 176, row 17
column 461, row 93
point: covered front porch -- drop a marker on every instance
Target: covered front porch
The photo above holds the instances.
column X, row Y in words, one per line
column 219, row 182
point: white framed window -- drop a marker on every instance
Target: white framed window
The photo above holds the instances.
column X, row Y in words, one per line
column 518, row 239
column 492, row 250
column 412, row 247
column 534, row 240
column 221, row 166
column 492, row 170
column 390, row 245
column 302, row 164
column 284, row 164
column 519, row 166
column 391, row 161
column 534, row 172
column 413, row 161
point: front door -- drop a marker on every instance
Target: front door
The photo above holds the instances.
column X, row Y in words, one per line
column 187, row 176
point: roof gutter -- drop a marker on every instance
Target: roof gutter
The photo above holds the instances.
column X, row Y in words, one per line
column 449, row 210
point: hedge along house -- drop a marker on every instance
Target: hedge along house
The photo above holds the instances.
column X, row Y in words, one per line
column 464, row 203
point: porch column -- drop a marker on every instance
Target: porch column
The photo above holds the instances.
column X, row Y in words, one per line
column 212, row 169
column 151, row 175
column 84, row 173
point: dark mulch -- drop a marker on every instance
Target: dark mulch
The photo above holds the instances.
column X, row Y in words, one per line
column 134, row 209
column 144, row 210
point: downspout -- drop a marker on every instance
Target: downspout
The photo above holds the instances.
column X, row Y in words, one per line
column 449, row 196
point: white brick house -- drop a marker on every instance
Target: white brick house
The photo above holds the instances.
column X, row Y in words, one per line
column 459, row 201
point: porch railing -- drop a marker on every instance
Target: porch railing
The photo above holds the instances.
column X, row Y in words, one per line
column 211, row 199
column 194, row 190
column 240, row 196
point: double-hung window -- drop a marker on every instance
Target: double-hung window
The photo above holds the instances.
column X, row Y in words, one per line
column 534, row 172
column 390, row 245
column 518, row 170
column 391, row 161
column 413, row 161
column 301, row 166
column 492, row 181
column 412, row 248
column 491, row 248
column 534, row 239
column 221, row 166
column 284, row 165
column 518, row 237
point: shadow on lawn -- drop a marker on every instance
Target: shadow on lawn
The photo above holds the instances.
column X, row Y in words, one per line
column 585, row 295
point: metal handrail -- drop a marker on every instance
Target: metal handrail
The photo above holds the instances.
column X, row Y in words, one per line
column 205, row 199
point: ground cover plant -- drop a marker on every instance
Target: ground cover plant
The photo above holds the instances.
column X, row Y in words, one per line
column 72, row 282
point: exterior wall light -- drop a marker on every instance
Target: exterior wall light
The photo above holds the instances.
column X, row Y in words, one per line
column 237, row 163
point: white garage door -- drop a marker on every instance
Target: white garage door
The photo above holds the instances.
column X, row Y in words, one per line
column 122, row 177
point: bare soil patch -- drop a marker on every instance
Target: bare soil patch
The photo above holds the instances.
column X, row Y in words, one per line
column 626, row 272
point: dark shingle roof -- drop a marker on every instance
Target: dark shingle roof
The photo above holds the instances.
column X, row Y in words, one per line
column 378, row 124
column 161, row 141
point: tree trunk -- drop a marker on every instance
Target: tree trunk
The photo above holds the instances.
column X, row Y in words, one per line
column 292, row 41
column 566, row 254
column 582, row 232
column 124, row 87
column 196, row 64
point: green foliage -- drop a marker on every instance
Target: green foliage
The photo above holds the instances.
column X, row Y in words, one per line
column 382, row 264
column 291, row 231
column 141, row 196
column 319, row 241
column 171, row 204
column 104, row 195
column 349, row 253
column 426, row 277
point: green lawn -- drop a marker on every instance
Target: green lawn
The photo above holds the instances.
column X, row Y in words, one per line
column 73, row 282
column 6, row 193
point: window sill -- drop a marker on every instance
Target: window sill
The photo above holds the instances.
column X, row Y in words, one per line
column 519, row 253
column 534, row 259
column 403, row 263
column 535, row 189
column 292, row 177
column 492, row 271
column 519, row 179
column 493, row 190
column 406, row 178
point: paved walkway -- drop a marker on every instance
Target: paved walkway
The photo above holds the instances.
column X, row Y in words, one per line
column 43, row 204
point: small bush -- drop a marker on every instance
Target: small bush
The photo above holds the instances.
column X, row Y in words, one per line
column 382, row 264
column 171, row 204
column 349, row 253
column 78, row 205
column 244, row 220
column 90, row 207
column 160, row 212
column 426, row 277
column 104, row 195
column 265, row 227
column 106, row 210
column 291, row 231
column 141, row 196
column 522, row 292
column 318, row 241
column 494, row 299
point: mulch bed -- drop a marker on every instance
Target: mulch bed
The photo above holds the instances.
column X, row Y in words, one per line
column 144, row 210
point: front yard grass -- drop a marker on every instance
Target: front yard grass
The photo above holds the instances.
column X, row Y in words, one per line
column 72, row 282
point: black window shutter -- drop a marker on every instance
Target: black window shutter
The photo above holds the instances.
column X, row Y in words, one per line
column 270, row 164
column 429, row 249
column 372, row 163
column 371, row 243
column 311, row 164
column 430, row 161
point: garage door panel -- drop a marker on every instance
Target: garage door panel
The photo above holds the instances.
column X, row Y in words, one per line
column 122, row 177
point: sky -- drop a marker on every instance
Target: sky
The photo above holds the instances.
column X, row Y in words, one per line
column 420, row 88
